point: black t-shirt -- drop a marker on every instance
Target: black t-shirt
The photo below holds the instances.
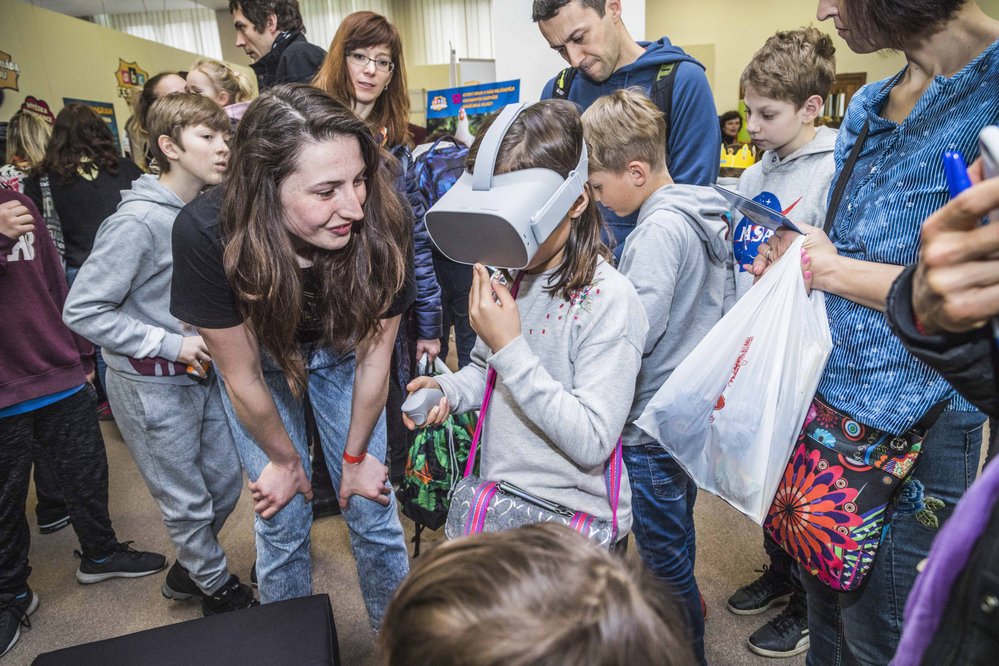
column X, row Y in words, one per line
column 84, row 204
column 200, row 293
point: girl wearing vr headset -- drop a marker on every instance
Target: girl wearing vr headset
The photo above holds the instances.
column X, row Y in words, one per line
column 296, row 271
column 566, row 351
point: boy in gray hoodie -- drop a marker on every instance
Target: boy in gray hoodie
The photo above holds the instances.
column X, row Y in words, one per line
column 785, row 85
column 678, row 259
column 166, row 398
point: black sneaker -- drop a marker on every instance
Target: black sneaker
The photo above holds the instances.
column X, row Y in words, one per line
column 178, row 584
column 761, row 594
column 14, row 612
column 786, row 635
column 123, row 562
column 52, row 525
column 230, row 597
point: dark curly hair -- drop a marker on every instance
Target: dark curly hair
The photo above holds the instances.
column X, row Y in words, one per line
column 80, row 140
column 891, row 24
column 286, row 12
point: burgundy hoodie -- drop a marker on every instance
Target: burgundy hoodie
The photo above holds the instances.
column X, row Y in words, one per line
column 40, row 355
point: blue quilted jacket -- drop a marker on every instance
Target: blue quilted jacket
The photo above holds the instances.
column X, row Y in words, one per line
column 424, row 321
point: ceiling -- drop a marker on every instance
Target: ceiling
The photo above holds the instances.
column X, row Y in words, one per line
column 91, row 7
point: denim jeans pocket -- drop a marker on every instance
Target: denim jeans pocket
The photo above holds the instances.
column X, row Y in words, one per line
column 669, row 481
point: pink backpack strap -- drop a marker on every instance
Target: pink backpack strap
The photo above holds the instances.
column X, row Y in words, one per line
column 490, row 385
column 612, row 476
column 480, row 504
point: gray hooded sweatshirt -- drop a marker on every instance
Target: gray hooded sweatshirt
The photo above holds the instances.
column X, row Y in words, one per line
column 120, row 299
column 679, row 260
column 563, row 389
column 800, row 181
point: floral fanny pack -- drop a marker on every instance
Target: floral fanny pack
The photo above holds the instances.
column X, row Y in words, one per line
column 835, row 501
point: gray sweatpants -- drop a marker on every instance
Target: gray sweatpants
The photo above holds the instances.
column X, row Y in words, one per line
column 180, row 440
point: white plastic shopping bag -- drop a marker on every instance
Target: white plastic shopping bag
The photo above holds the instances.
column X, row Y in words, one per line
column 731, row 411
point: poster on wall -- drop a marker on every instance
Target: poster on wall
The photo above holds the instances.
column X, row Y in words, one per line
column 10, row 72
column 105, row 110
column 39, row 107
column 444, row 107
column 130, row 78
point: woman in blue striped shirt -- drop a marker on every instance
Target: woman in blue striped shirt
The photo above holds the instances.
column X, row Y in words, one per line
column 946, row 94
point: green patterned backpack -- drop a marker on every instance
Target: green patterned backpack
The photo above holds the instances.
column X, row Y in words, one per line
column 434, row 466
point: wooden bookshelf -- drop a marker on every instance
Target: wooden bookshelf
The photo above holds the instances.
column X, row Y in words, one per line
column 843, row 90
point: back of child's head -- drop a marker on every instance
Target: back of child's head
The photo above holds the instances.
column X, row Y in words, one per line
column 549, row 135
column 541, row 594
column 27, row 137
column 226, row 79
column 792, row 66
column 622, row 127
column 172, row 114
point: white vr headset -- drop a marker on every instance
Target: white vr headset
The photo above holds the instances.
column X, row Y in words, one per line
column 502, row 220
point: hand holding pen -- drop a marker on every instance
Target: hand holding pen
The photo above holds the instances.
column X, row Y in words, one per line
column 956, row 286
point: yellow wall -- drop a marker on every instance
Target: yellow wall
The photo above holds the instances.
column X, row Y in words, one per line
column 738, row 29
column 61, row 57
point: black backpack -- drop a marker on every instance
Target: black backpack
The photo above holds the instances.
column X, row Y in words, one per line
column 661, row 92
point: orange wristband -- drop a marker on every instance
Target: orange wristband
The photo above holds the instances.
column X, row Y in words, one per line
column 353, row 460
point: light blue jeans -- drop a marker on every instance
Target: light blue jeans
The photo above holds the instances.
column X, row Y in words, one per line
column 284, row 565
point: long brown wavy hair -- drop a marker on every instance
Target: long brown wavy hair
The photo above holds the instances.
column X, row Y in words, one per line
column 363, row 30
column 80, row 141
column 549, row 135
column 359, row 281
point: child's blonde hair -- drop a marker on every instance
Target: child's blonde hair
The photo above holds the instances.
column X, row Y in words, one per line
column 792, row 66
column 171, row 114
column 536, row 595
column 622, row 127
column 27, row 137
column 226, row 79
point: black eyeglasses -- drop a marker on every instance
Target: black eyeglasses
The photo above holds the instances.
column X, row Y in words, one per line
column 362, row 61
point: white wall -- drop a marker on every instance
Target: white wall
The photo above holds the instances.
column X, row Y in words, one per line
column 522, row 53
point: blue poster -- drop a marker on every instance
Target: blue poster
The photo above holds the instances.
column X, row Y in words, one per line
column 105, row 110
column 445, row 106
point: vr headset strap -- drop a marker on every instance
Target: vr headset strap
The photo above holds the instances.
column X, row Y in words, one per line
column 485, row 161
column 543, row 224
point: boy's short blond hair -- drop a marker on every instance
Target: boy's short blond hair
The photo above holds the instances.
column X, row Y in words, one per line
column 171, row 114
column 792, row 66
column 625, row 126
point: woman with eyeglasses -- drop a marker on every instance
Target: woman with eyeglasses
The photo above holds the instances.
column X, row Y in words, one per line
column 365, row 71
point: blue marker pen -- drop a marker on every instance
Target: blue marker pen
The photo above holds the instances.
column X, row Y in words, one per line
column 956, row 171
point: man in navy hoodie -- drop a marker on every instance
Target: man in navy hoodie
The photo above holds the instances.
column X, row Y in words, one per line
column 592, row 38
